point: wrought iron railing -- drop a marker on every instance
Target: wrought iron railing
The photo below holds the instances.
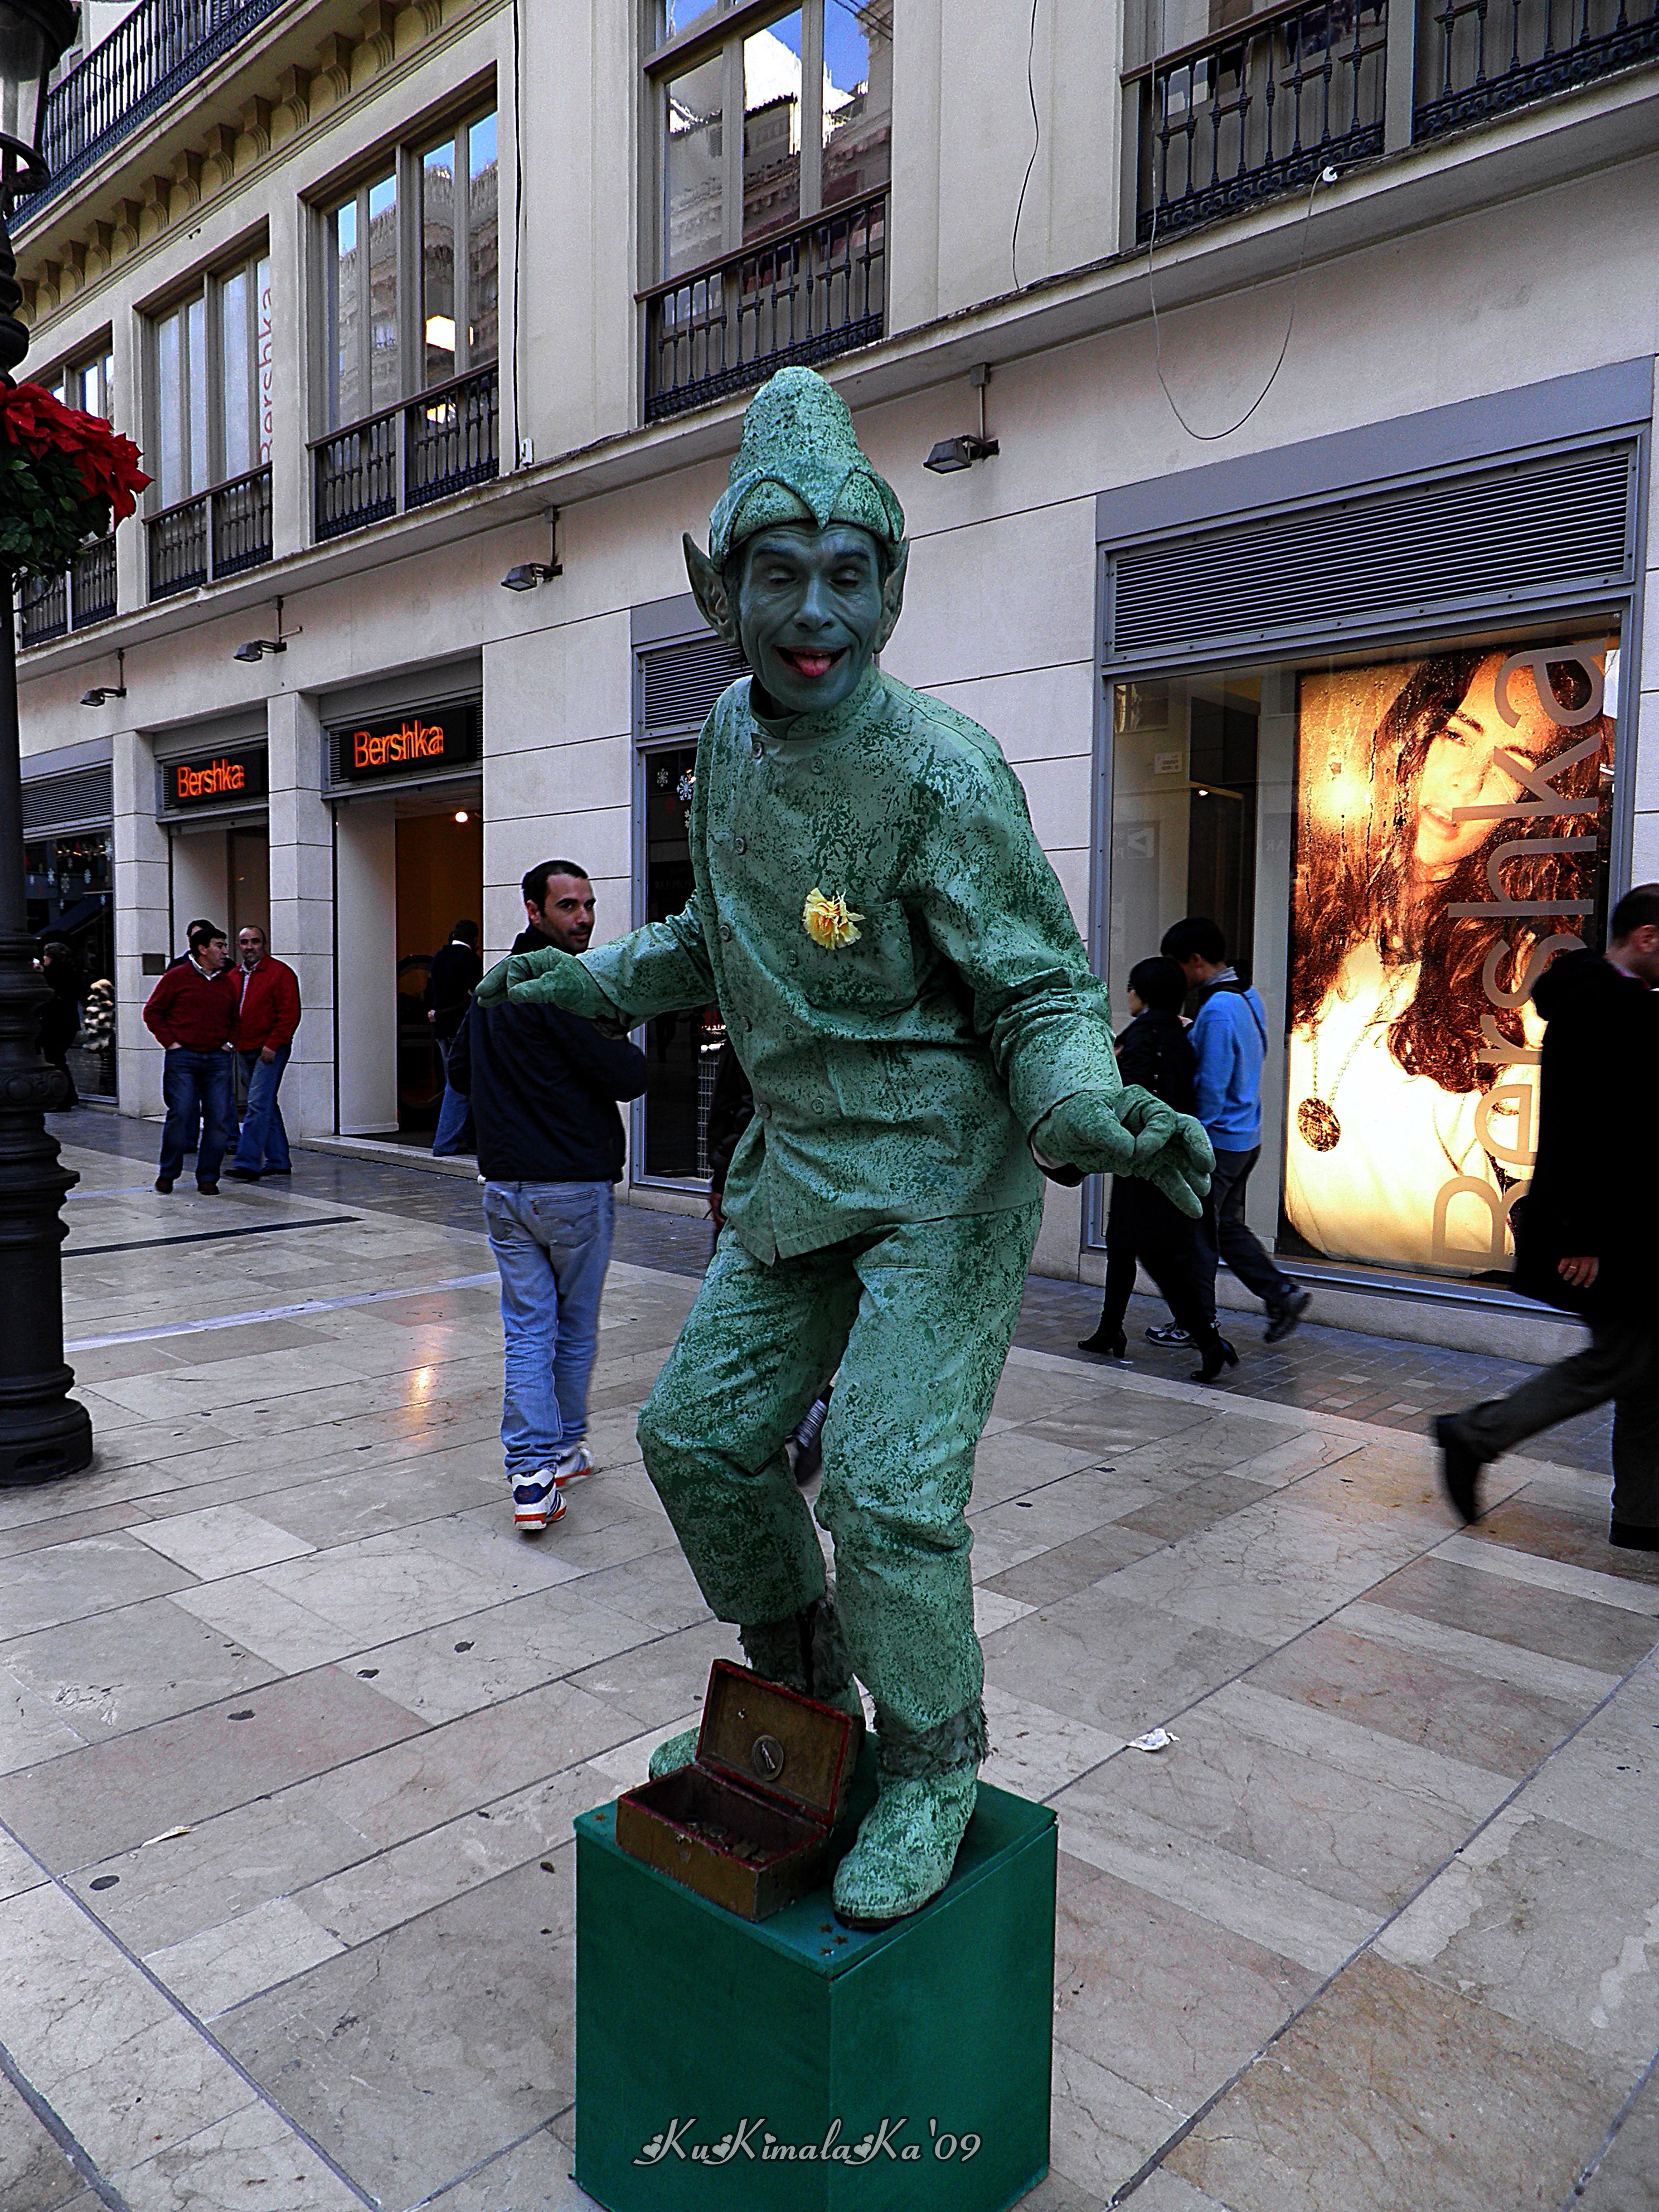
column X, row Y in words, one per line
column 218, row 534
column 1478, row 58
column 816, row 291
column 151, row 55
column 421, row 450
column 1235, row 119
column 50, row 606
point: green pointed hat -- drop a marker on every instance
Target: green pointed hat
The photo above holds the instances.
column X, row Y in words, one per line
column 799, row 462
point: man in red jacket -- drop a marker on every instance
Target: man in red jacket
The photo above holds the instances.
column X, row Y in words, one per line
column 267, row 1016
column 191, row 1010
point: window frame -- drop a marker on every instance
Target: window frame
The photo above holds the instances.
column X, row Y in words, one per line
column 404, row 161
column 207, row 287
column 99, row 357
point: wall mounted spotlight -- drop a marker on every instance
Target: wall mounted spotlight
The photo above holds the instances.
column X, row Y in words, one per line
column 257, row 647
column 525, row 575
column 99, row 692
column 951, row 454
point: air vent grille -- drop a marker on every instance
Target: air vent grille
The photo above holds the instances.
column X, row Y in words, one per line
column 1555, row 527
column 680, row 682
column 58, row 802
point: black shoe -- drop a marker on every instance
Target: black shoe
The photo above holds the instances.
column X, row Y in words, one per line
column 243, row 1174
column 1634, row 1536
column 208, row 1189
column 1169, row 1332
column 1284, row 1317
column 164, row 1184
column 1460, row 1470
column 1218, row 1353
column 269, row 1171
column 1109, row 1344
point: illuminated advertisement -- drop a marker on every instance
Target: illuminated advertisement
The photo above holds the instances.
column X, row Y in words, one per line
column 1451, row 822
column 214, row 778
column 426, row 741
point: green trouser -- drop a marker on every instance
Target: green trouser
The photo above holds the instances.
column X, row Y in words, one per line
column 918, row 1319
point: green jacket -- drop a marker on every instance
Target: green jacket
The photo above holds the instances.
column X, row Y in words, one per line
column 895, row 1078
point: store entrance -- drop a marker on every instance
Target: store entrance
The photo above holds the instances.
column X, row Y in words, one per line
column 440, row 870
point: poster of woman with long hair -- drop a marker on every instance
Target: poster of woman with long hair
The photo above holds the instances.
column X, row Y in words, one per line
column 1451, row 839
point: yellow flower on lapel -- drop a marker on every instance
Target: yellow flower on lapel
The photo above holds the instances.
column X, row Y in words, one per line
column 830, row 922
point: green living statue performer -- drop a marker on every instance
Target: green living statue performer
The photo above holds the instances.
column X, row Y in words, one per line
column 903, row 982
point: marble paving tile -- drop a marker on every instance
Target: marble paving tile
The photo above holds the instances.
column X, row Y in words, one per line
column 62, row 1527
column 1604, row 1781
column 1390, row 2092
column 251, row 2157
column 1281, row 1913
column 1163, row 2191
column 1171, row 1515
column 365, row 2051
column 628, row 1764
column 1624, row 2180
column 36, row 2174
column 1420, row 1697
column 1385, row 1762
column 1102, row 2129
column 383, row 1587
column 670, row 1674
column 222, row 1966
column 993, row 1610
column 220, row 1540
column 1556, row 1930
column 124, row 1669
column 368, row 1501
column 18, row 1870
column 1541, row 1573
column 1552, row 1532
column 1035, row 1752
column 1058, row 1510
column 655, row 1587
column 508, row 1649
column 114, row 1795
column 535, row 2173
column 68, row 1582
column 1538, row 1673
column 31, row 1730
column 1047, row 1576
column 1609, row 1639
column 1119, row 1665
column 285, row 1635
column 1209, row 1444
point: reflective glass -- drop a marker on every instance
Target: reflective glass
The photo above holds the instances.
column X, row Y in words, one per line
column 262, row 357
column 694, row 159
column 858, row 100
column 346, row 394
column 771, row 129
column 386, row 371
column 484, row 245
column 438, row 263
column 236, row 371
column 169, row 410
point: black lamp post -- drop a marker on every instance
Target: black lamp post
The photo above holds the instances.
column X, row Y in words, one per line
column 44, row 1433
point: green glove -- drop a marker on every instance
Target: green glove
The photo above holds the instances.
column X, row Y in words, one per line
column 1132, row 1133
column 548, row 978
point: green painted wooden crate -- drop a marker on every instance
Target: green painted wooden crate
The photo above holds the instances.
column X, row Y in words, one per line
column 708, row 2048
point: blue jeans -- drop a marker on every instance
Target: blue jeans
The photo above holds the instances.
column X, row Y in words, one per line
column 552, row 1245
column 264, row 1140
column 192, row 1084
column 454, row 1116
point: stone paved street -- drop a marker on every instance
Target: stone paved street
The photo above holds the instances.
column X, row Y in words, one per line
column 292, row 1728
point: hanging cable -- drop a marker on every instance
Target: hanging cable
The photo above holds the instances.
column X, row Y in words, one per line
column 1036, row 141
column 1326, row 176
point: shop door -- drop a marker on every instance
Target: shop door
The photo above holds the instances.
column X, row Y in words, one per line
column 249, row 873
column 440, row 882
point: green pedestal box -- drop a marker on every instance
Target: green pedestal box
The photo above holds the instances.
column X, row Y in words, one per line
column 729, row 2066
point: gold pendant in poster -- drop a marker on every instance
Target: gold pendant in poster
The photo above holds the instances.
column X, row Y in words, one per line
column 1318, row 1126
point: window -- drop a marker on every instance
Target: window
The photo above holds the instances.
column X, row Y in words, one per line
column 1394, row 843
column 88, row 384
column 814, row 89
column 213, row 384
column 413, row 304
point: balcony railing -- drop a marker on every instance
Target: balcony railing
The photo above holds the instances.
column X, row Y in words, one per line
column 151, row 55
column 218, row 534
column 815, row 292
column 50, row 606
column 1234, row 120
column 421, row 450
column 1478, row 58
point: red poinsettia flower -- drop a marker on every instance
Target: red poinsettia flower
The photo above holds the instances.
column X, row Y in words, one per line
column 107, row 462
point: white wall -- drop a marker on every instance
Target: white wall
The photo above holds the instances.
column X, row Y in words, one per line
column 366, row 974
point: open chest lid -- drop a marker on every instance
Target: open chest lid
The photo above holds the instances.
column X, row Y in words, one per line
column 788, row 1748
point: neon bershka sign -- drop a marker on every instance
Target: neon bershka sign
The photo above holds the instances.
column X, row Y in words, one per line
column 215, row 779
column 427, row 739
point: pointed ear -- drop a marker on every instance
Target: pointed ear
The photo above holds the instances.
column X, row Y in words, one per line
column 708, row 590
column 892, row 595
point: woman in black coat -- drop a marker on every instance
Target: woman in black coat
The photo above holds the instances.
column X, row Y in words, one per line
column 60, row 1016
column 1142, row 1226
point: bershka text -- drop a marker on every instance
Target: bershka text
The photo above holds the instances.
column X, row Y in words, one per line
column 752, row 2139
column 415, row 741
column 216, row 776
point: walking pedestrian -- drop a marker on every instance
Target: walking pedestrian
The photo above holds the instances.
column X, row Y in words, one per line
column 1230, row 1041
column 190, row 1011
column 1142, row 1227
column 544, row 1087
column 60, row 1015
column 1586, row 1232
column 267, row 1015
column 450, row 982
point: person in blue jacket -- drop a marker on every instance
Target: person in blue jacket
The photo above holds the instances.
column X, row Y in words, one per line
column 1230, row 1040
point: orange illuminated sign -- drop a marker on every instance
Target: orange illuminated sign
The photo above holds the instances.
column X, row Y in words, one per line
column 417, row 742
column 413, row 740
column 215, row 779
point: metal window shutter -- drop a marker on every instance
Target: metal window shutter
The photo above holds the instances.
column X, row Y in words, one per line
column 1555, row 528
column 55, row 802
column 680, row 682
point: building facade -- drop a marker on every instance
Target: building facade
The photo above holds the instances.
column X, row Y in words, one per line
column 1305, row 586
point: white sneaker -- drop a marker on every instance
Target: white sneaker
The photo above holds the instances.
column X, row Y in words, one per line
column 536, row 1502
column 573, row 1465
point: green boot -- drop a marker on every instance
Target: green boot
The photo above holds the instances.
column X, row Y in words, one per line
column 804, row 1651
column 908, row 1843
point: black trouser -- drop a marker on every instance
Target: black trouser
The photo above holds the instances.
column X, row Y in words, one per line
column 1223, row 1234
column 1620, row 1361
column 1144, row 1227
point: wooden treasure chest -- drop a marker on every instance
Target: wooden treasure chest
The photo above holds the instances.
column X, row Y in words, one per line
column 748, row 1824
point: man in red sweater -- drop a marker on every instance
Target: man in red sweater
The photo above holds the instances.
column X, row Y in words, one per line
column 267, row 1016
column 191, row 1010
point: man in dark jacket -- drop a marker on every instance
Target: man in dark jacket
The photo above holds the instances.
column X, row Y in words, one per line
column 191, row 1012
column 544, row 1087
column 1586, row 1232
column 451, row 980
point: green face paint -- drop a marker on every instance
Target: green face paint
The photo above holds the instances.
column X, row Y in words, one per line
column 809, row 612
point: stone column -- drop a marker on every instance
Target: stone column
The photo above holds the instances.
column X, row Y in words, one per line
column 302, row 904
column 139, row 875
